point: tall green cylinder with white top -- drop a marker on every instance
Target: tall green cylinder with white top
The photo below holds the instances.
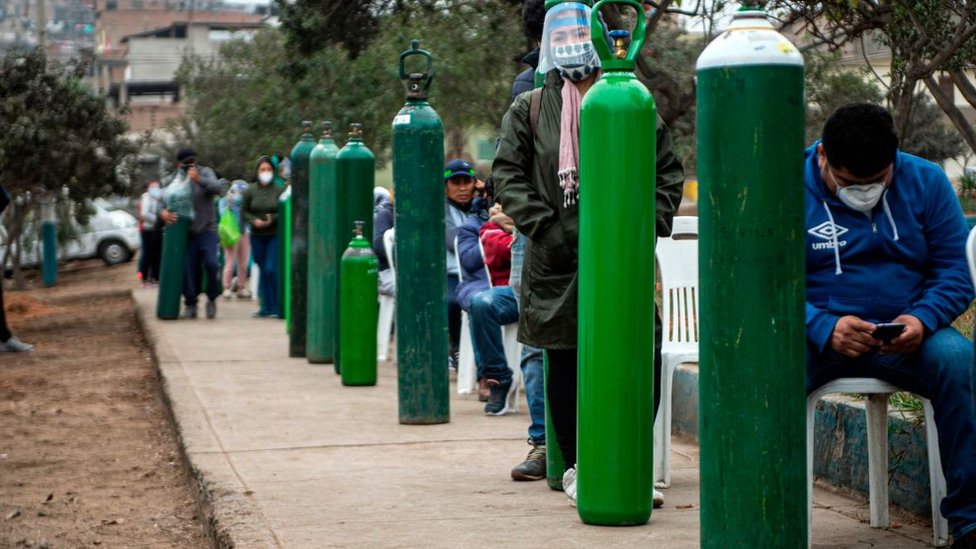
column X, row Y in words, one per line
column 752, row 423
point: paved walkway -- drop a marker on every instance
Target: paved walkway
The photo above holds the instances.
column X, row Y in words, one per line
column 288, row 457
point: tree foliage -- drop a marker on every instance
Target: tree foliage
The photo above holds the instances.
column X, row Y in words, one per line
column 252, row 98
column 57, row 141
column 927, row 38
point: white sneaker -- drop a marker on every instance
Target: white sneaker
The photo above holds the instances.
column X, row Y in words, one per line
column 569, row 485
column 658, row 498
column 228, row 294
column 14, row 345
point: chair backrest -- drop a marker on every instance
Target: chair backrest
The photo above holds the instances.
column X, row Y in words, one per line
column 677, row 257
column 481, row 248
column 389, row 239
column 971, row 254
column 457, row 257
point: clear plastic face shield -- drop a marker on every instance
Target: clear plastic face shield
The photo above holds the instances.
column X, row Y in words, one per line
column 566, row 42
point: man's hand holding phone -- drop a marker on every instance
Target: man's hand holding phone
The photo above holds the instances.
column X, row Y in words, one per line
column 908, row 340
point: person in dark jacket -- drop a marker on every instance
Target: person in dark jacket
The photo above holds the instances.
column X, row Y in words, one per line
column 533, row 18
column 202, row 244
column 382, row 222
column 259, row 208
column 459, row 185
column 527, row 172
column 885, row 243
column 8, row 343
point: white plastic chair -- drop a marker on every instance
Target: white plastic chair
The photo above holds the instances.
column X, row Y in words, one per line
column 876, row 409
column 384, row 326
column 677, row 257
column 513, row 351
column 971, row 254
column 467, row 374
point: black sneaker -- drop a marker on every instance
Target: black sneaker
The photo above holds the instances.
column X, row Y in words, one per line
column 189, row 312
column 496, row 400
column 212, row 309
column 534, row 466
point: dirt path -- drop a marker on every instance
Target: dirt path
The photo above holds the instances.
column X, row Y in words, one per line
column 88, row 456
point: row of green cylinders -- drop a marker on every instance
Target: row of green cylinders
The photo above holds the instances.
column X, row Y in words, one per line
column 330, row 302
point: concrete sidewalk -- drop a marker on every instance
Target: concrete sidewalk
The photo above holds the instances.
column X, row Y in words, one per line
column 288, row 457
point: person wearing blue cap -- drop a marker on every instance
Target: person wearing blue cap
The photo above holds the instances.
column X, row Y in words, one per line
column 459, row 186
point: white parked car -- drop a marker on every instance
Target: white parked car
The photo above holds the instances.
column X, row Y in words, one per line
column 111, row 235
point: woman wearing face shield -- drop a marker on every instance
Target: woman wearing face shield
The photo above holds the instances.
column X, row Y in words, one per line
column 536, row 174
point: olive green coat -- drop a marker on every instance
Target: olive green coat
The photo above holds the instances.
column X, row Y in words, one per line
column 524, row 172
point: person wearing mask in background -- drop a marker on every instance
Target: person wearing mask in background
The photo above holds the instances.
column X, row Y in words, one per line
column 150, row 206
column 240, row 254
column 8, row 343
column 259, row 208
column 459, row 184
column 382, row 222
column 202, row 244
column 536, row 173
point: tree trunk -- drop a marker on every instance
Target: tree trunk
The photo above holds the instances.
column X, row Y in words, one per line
column 948, row 106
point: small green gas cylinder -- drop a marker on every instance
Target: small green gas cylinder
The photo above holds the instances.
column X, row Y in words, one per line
column 284, row 253
column 179, row 200
column 357, row 311
column 616, row 285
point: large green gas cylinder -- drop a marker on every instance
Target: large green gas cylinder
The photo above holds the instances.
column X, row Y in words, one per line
column 357, row 326
column 616, row 286
column 299, row 240
column 284, row 254
column 751, row 263
column 323, row 272
column 355, row 175
column 421, row 271
column 179, row 200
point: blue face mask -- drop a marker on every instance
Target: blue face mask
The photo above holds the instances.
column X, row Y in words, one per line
column 155, row 192
column 237, row 200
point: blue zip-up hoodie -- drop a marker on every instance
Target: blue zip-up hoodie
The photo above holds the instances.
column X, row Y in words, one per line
column 907, row 257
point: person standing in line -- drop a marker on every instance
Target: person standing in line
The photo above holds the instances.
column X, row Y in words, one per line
column 201, row 246
column 240, row 253
column 8, row 343
column 150, row 206
column 259, row 208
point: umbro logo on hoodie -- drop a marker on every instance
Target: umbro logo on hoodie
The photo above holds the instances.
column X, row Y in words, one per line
column 825, row 231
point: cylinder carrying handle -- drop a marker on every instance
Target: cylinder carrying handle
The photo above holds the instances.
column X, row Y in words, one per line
column 416, row 84
column 610, row 55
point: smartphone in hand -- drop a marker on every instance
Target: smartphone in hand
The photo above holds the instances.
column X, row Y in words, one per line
column 887, row 331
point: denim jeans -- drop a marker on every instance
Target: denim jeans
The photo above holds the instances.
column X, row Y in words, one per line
column 535, row 391
column 941, row 371
column 490, row 310
column 532, row 372
column 201, row 247
column 265, row 252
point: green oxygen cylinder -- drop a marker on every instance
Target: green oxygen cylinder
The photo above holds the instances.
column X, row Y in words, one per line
column 616, row 285
column 179, row 200
column 355, row 176
column 752, row 423
column 357, row 326
column 323, row 272
column 421, row 267
column 284, row 254
column 299, row 241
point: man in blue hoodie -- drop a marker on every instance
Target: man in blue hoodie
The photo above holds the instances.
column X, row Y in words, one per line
column 885, row 243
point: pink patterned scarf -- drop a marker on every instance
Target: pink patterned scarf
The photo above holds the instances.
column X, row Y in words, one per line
column 569, row 143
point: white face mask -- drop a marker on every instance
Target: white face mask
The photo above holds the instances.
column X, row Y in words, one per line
column 265, row 177
column 862, row 198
